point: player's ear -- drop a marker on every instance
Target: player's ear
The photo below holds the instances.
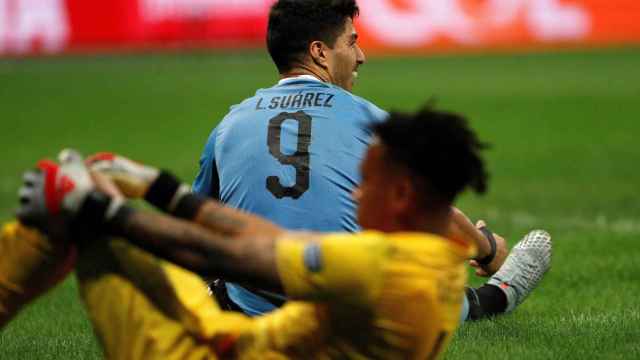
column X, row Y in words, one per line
column 318, row 53
column 403, row 194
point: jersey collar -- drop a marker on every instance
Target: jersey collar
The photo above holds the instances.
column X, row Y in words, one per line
column 298, row 78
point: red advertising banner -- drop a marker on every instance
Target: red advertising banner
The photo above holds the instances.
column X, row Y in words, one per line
column 423, row 25
column 54, row 26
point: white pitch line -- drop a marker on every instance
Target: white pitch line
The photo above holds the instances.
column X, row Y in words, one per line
column 600, row 222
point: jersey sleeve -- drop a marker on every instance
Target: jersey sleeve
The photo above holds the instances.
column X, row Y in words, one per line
column 377, row 114
column 339, row 267
column 207, row 182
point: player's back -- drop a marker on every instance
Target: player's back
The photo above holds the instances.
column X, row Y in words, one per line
column 291, row 154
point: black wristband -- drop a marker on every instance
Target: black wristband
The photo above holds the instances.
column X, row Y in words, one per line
column 188, row 206
column 116, row 224
column 91, row 215
column 162, row 190
column 492, row 241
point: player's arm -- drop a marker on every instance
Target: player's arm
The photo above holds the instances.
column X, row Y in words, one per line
column 241, row 247
column 164, row 191
column 344, row 268
column 239, row 252
column 207, row 181
column 246, row 258
column 491, row 248
column 202, row 235
column 161, row 189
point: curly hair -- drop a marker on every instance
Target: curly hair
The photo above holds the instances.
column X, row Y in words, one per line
column 439, row 149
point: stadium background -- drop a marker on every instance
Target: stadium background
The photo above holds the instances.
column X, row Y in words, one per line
column 554, row 85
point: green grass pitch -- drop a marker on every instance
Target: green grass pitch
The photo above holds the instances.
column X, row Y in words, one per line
column 565, row 157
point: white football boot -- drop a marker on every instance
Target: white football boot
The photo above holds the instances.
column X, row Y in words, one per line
column 523, row 269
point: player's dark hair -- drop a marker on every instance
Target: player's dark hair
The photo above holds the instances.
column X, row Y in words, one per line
column 294, row 24
column 439, row 149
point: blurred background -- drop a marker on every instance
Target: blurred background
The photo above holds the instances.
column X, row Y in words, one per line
column 31, row 27
column 553, row 85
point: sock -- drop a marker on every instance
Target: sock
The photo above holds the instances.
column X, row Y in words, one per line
column 464, row 311
column 485, row 301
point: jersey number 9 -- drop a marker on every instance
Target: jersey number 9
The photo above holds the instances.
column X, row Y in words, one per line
column 299, row 160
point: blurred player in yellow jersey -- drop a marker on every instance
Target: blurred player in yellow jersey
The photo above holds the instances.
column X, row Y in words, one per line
column 391, row 293
column 29, row 265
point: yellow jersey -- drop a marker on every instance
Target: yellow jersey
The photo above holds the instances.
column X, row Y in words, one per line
column 356, row 296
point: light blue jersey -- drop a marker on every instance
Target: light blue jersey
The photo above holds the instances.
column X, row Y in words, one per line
column 291, row 154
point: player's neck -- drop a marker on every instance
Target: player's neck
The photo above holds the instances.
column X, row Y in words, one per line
column 433, row 222
column 317, row 73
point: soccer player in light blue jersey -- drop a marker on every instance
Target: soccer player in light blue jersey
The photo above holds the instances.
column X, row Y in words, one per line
column 291, row 153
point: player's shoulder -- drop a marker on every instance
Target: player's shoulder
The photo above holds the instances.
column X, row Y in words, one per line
column 236, row 109
column 361, row 236
column 362, row 102
column 360, row 105
column 427, row 243
column 408, row 240
column 358, row 245
column 238, row 114
column 391, row 237
column 373, row 246
column 374, row 234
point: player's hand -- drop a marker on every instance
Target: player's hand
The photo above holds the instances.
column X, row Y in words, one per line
column 105, row 185
column 68, row 191
column 132, row 179
column 138, row 181
column 53, row 191
column 502, row 251
column 32, row 210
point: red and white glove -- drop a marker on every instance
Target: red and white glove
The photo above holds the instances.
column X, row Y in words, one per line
column 132, row 178
column 66, row 190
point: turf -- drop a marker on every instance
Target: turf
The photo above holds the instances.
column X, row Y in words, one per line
column 564, row 157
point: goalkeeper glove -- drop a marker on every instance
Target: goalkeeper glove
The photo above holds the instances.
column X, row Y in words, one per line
column 66, row 190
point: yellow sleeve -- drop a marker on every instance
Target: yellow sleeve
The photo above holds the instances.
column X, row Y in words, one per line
column 344, row 267
column 29, row 265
